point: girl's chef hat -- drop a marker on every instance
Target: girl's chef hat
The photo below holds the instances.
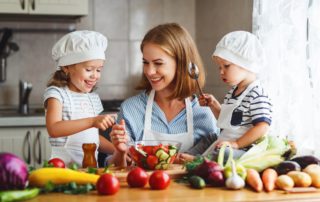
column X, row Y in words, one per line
column 243, row 49
column 79, row 46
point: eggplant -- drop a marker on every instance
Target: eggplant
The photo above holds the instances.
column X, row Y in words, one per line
column 286, row 166
column 306, row 160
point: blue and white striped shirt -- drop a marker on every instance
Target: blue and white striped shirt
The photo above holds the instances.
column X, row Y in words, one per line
column 133, row 110
column 255, row 107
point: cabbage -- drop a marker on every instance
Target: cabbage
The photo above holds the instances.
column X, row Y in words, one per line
column 13, row 172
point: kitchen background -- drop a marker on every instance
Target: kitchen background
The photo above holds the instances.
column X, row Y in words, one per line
column 124, row 22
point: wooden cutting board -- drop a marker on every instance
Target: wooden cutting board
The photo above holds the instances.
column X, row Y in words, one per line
column 175, row 171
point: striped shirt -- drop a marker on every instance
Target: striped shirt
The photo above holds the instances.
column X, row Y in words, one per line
column 255, row 107
column 133, row 112
column 81, row 102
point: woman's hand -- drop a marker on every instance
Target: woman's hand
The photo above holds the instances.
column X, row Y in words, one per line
column 103, row 121
column 119, row 137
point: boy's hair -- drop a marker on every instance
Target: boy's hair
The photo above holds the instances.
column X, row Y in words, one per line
column 177, row 42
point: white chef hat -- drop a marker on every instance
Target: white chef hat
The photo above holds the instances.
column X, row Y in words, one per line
column 243, row 49
column 79, row 46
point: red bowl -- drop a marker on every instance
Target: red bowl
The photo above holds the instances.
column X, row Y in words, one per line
column 154, row 154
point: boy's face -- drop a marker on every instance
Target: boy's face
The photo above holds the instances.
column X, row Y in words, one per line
column 84, row 76
column 230, row 73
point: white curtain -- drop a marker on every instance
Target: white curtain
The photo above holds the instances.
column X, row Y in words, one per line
column 290, row 32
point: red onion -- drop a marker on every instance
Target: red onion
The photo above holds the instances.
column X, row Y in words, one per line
column 13, row 172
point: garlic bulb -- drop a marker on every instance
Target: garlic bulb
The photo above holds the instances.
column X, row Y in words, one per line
column 235, row 181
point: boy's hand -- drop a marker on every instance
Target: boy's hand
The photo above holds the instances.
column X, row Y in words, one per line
column 208, row 100
column 232, row 144
column 103, row 121
column 119, row 137
column 183, row 157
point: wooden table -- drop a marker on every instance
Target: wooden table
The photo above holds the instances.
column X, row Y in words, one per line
column 181, row 192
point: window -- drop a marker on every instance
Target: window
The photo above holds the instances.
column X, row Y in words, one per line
column 290, row 33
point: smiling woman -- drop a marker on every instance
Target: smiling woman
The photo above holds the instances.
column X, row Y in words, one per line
column 167, row 109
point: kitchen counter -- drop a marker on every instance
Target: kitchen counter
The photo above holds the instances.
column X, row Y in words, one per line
column 22, row 121
column 180, row 192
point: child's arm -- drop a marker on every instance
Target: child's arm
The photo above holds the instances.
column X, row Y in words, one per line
column 59, row 128
column 210, row 101
column 252, row 135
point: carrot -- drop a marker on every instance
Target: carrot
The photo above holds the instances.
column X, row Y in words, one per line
column 269, row 177
column 254, row 180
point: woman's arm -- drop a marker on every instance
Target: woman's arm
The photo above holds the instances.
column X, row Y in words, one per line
column 105, row 145
column 59, row 128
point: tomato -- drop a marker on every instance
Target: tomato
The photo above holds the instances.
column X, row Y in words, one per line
column 107, row 184
column 152, row 161
column 159, row 180
column 56, row 162
column 137, row 177
column 148, row 149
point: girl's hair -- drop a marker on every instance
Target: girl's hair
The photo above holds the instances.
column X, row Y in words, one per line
column 177, row 42
column 59, row 79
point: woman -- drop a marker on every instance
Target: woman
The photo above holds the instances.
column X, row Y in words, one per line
column 166, row 109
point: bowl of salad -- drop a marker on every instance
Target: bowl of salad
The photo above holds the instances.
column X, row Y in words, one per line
column 154, row 154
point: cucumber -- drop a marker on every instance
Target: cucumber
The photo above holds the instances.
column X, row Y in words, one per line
column 172, row 152
column 161, row 154
column 197, row 182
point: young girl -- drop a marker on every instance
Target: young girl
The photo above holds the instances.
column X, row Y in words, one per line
column 72, row 109
column 245, row 115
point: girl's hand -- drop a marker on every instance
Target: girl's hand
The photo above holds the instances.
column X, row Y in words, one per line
column 103, row 121
column 119, row 137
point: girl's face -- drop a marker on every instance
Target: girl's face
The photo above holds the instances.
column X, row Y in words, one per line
column 159, row 67
column 84, row 76
column 230, row 73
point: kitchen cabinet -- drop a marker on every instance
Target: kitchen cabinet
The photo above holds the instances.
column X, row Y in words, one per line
column 44, row 7
column 29, row 143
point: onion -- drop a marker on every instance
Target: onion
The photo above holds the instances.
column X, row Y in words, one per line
column 13, row 172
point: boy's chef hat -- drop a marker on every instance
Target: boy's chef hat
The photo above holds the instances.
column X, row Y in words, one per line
column 243, row 49
column 79, row 46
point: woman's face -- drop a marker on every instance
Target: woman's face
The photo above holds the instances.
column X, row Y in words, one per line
column 230, row 73
column 84, row 76
column 159, row 67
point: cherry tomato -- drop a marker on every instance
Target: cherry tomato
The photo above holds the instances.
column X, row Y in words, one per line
column 56, row 162
column 159, row 180
column 107, row 184
column 137, row 177
column 148, row 149
column 152, row 161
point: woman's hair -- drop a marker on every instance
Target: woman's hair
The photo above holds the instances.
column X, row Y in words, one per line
column 59, row 79
column 177, row 42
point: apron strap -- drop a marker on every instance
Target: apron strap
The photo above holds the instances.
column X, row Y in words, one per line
column 148, row 115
